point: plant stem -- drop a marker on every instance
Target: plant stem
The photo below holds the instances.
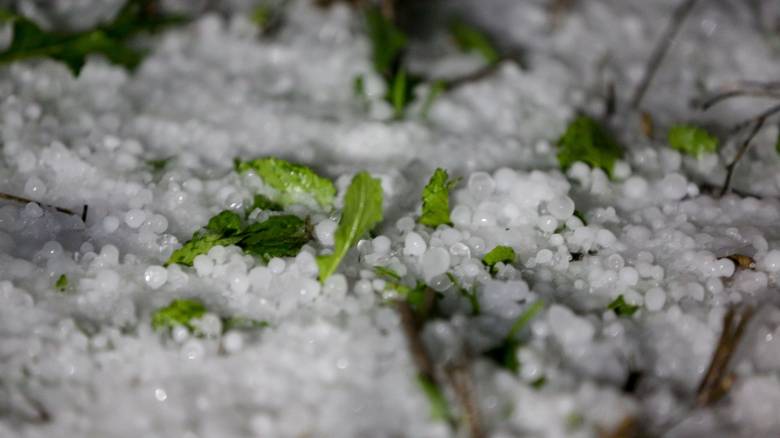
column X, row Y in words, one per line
column 660, row 50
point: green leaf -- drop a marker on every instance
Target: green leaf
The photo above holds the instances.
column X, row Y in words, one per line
column 692, row 140
column 539, row 383
column 587, row 141
column 200, row 243
column 621, row 307
column 470, row 295
column 178, row 312
column 261, row 15
column 437, row 88
column 62, row 283
column 470, row 39
column 226, row 223
column 294, row 182
column 362, row 211
column 241, row 323
column 501, row 253
column 277, row 236
column 387, row 273
column 262, row 202
column 158, row 164
column 440, row 410
column 436, row 199
column 73, row 49
column 506, row 353
column 387, row 42
column 400, row 92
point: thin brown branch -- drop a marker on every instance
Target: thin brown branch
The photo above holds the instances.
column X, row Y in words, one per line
column 14, row 198
column 718, row 380
column 745, row 90
column 411, row 329
column 659, row 52
column 462, row 383
column 474, row 76
column 758, row 123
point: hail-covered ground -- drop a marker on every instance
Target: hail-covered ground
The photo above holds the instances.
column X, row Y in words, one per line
column 83, row 360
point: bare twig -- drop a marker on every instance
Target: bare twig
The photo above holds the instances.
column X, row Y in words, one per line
column 411, row 329
column 659, row 52
column 9, row 197
column 462, row 383
column 474, row 76
column 758, row 124
column 768, row 90
column 718, row 379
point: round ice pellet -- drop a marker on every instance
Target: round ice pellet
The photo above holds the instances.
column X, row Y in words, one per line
column 277, row 265
column 135, row 217
column 435, row 262
column 561, row 207
column 771, row 261
column 635, row 187
column 381, row 244
column 34, row 188
column 203, row 265
column 655, row 299
column 481, row 185
column 414, row 244
column 155, row 276
column 110, row 224
column 461, row 216
column 547, row 223
column 324, row 232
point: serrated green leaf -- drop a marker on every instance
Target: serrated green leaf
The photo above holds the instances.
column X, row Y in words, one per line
column 178, row 312
column 587, row 141
column 294, row 182
column 692, row 140
column 62, row 283
column 500, row 253
column 362, row 211
column 226, row 223
column 621, row 307
column 436, row 199
column 264, row 203
column 277, row 236
column 470, row 39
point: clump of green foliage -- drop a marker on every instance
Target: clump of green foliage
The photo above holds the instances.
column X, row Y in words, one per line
column 436, row 199
column 62, row 283
column 506, row 353
column 502, row 254
column 179, row 312
column 587, row 141
column 470, row 39
column 294, row 182
column 621, row 307
column 692, row 140
column 362, row 211
column 110, row 40
column 388, row 44
column 182, row 312
column 277, row 236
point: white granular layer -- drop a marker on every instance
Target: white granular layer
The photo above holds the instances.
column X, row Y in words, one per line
column 333, row 361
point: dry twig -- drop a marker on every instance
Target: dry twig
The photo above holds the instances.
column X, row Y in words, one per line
column 719, row 379
column 659, row 52
column 462, row 383
column 14, row 198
